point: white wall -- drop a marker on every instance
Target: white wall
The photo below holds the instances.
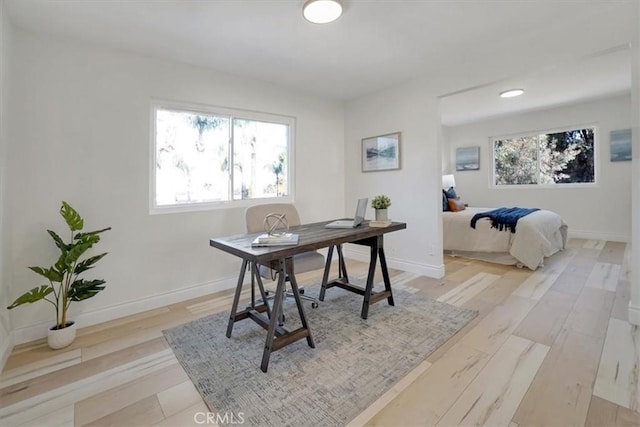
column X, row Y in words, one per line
column 80, row 125
column 601, row 212
column 81, row 134
column 407, row 108
column 6, row 343
column 412, row 108
column 634, row 303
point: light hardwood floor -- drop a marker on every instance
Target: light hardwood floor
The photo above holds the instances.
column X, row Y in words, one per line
column 548, row 348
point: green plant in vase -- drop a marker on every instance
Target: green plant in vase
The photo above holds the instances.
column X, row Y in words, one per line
column 65, row 285
column 381, row 203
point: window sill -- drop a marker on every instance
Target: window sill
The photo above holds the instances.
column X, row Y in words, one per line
column 212, row 206
column 545, row 186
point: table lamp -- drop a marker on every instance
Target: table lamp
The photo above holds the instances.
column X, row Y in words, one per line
column 448, row 181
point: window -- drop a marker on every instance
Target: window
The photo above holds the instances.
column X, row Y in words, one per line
column 566, row 157
column 206, row 157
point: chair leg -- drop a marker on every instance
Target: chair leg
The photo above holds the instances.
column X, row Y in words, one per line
column 264, row 294
column 314, row 301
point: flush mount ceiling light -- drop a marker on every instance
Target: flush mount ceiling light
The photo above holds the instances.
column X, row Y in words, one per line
column 322, row 11
column 511, row 93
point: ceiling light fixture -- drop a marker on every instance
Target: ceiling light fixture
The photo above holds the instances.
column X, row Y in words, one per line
column 511, row 93
column 322, row 11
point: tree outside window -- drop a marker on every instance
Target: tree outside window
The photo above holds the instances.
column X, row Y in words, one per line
column 565, row 157
column 203, row 157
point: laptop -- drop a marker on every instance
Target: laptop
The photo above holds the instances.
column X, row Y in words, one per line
column 356, row 221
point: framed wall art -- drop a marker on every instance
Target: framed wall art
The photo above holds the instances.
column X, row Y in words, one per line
column 381, row 153
column 620, row 145
column 467, row 159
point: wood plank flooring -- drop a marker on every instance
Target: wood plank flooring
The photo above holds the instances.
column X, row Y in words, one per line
column 548, row 348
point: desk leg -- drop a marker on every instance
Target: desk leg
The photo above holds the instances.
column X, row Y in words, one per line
column 256, row 270
column 277, row 306
column 342, row 267
column 325, row 276
column 370, row 278
column 253, row 285
column 236, row 298
column 385, row 275
column 296, row 295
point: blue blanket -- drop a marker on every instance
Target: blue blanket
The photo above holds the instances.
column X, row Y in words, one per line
column 503, row 218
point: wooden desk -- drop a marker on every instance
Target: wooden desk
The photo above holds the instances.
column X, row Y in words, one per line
column 311, row 237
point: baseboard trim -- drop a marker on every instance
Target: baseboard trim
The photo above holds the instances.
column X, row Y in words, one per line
column 595, row 235
column 428, row 270
column 634, row 314
column 39, row 330
column 5, row 351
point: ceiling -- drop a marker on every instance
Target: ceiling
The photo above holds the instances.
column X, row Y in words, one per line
column 374, row 45
column 599, row 75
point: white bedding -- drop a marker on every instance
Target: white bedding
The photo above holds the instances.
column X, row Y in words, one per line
column 538, row 235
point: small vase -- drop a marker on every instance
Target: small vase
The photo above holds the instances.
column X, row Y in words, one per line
column 60, row 338
column 381, row 215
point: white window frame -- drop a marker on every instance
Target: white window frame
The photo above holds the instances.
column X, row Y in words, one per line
column 232, row 113
column 596, row 159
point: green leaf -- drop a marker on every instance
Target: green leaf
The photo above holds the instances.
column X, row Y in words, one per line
column 88, row 263
column 35, row 294
column 71, row 217
column 61, row 263
column 50, row 273
column 81, row 235
column 59, row 242
column 75, row 252
column 83, row 289
column 88, row 238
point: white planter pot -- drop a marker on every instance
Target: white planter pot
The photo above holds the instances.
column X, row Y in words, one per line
column 381, row 215
column 60, row 338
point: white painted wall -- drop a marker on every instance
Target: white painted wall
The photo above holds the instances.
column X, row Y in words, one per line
column 411, row 109
column 634, row 303
column 602, row 211
column 77, row 104
column 81, row 120
column 6, row 343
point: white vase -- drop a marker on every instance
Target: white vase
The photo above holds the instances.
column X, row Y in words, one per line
column 60, row 338
column 381, row 215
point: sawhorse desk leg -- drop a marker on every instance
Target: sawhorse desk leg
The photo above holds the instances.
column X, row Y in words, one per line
column 376, row 245
column 277, row 336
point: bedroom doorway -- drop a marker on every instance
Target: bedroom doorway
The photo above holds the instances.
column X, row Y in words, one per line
column 480, row 129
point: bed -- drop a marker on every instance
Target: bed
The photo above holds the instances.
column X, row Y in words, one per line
column 538, row 235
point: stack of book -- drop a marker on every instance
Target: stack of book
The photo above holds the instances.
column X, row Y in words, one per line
column 275, row 240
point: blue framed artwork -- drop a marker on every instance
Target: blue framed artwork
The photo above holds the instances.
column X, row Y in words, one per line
column 620, row 145
column 467, row 159
column 381, row 153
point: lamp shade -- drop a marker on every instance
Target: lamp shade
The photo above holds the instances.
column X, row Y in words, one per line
column 448, row 181
column 322, row 11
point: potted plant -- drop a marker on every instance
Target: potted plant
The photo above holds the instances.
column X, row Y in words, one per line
column 65, row 285
column 380, row 204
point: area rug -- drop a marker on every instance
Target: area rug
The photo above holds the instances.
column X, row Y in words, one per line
column 355, row 361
